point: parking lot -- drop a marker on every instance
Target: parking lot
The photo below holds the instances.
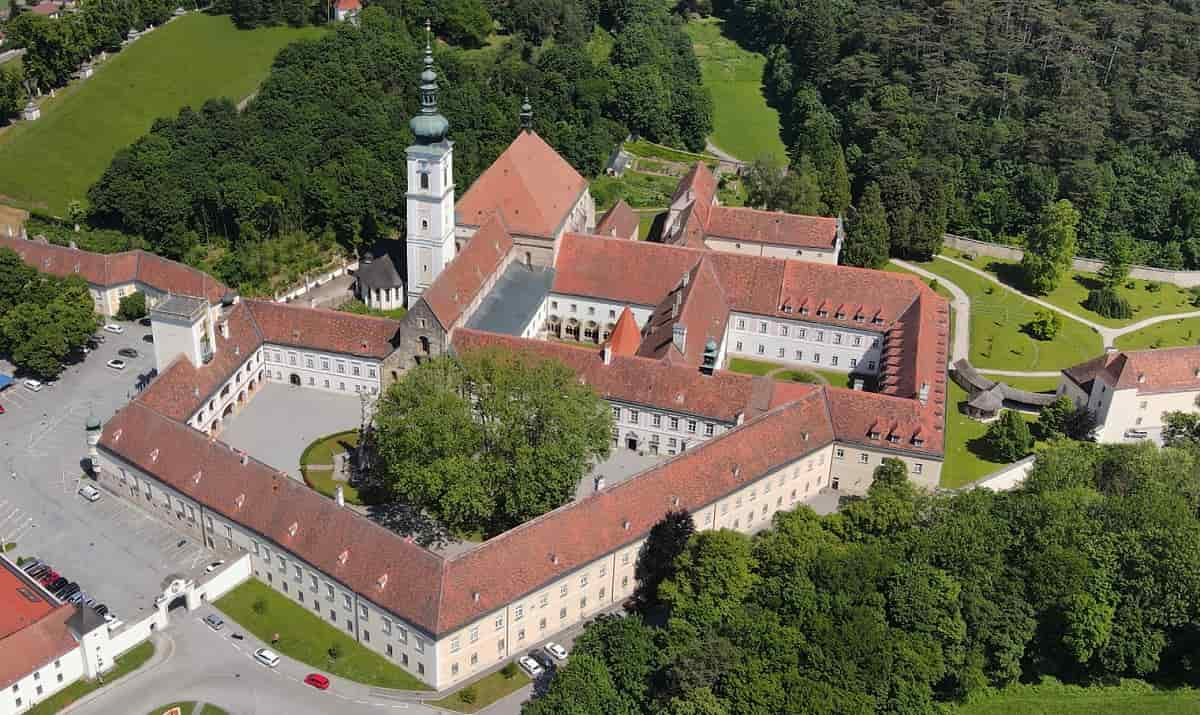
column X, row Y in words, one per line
column 114, row 552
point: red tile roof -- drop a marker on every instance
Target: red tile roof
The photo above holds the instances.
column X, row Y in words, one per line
column 33, row 630
column 619, row 222
column 625, row 336
column 322, row 329
column 268, row 502
column 346, row 5
column 1161, row 370
column 45, row 8
column 857, row 414
column 697, row 187
column 529, row 184
column 699, row 306
column 739, row 223
column 461, row 281
column 21, row 603
column 118, row 268
column 645, row 271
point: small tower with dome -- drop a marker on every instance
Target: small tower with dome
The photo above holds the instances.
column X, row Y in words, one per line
column 430, row 199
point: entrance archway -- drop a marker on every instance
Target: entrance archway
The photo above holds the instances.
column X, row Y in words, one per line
column 631, row 441
column 294, row 379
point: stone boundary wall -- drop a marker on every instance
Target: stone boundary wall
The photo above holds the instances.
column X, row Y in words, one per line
column 1183, row 279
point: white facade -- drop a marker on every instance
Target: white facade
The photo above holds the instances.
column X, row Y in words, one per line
column 234, row 393
column 573, row 317
column 653, row 430
column 803, row 344
column 1128, row 414
column 320, row 370
column 430, row 215
column 174, row 335
column 383, row 298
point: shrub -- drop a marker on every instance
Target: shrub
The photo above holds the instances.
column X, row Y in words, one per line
column 1109, row 303
column 133, row 306
column 1130, row 285
column 509, row 671
column 1195, row 290
column 1008, row 438
column 1045, row 325
column 334, row 652
column 468, row 694
column 259, row 606
column 1153, row 287
column 934, row 284
column 21, row 560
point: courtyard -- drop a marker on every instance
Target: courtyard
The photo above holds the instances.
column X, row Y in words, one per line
column 281, row 420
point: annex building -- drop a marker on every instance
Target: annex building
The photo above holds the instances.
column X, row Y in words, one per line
column 521, row 263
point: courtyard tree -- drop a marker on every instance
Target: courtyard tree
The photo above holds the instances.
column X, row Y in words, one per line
column 53, row 316
column 1181, row 429
column 867, row 241
column 132, row 306
column 1050, row 247
column 1052, row 420
column 1045, row 325
column 487, row 440
column 1008, row 438
column 656, row 559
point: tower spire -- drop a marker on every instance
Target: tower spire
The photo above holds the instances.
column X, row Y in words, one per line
column 526, row 114
column 429, row 126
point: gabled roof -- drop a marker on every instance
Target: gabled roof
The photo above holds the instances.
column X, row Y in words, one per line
column 625, row 337
column 697, row 187
column 323, row 329
column 1161, row 370
column 631, row 272
column 378, row 272
column 117, row 268
column 738, row 223
column 857, row 414
column 529, row 184
column 620, row 221
column 698, row 307
column 463, row 279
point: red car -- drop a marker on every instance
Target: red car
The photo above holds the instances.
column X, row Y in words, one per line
column 49, row 577
column 318, row 681
column 1, row 409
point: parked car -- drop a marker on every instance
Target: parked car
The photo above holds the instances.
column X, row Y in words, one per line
column 100, row 609
column 267, row 657
column 530, row 666
column 1, row 409
column 542, row 659
column 214, row 621
column 214, row 566
column 148, row 338
column 97, row 338
column 555, row 651
column 87, row 491
column 127, row 352
column 58, row 584
column 31, row 565
column 318, row 681
column 33, row 385
column 145, row 322
column 114, row 329
column 116, row 364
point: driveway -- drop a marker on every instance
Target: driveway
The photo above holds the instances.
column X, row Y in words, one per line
column 114, row 552
column 281, row 420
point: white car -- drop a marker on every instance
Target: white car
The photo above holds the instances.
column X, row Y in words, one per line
column 116, row 364
column 213, row 566
column 555, row 651
column 267, row 657
column 114, row 328
column 87, row 491
column 33, row 385
column 530, row 666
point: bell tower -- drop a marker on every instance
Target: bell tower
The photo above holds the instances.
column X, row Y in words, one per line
column 430, row 198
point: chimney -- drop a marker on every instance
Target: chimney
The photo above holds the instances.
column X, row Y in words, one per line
column 709, row 362
column 606, row 354
column 684, row 280
column 340, row 497
column 923, row 393
column 679, row 336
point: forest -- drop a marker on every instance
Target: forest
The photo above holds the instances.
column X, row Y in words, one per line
column 1088, row 573
column 320, row 150
column 975, row 116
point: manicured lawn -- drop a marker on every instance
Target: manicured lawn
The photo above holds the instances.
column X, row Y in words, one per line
column 307, row 638
column 747, row 366
column 133, row 659
column 487, row 691
column 213, row 710
column 641, row 191
column 998, row 316
column 1167, row 334
column 650, row 150
column 47, row 163
column 1056, row 699
column 1073, row 290
column 743, row 124
column 964, row 461
column 185, row 708
column 320, row 454
column 1032, row 384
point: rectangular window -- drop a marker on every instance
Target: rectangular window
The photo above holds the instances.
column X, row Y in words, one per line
column 837, row 338
column 674, row 425
column 474, row 633
column 519, row 612
column 387, row 626
column 691, row 426
column 833, row 360
column 583, row 581
column 616, row 413
column 762, row 327
column 356, row 369
column 520, row 634
column 817, row 358
column 308, row 362
column 801, row 332
column 780, row 352
column 499, row 622
column 799, row 354
column 738, row 346
column 820, row 336
column 762, row 349
column 633, row 417
column 362, row 612
column 562, row 590
column 656, row 420
column 455, row 644
column 562, row 613
column 325, row 364
column 370, row 372
column 857, row 340
column 918, row 467
column 346, row 602
column 853, row 363
column 625, row 558
column 863, row 458
column 741, row 324
column 783, row 330
column 328, row 592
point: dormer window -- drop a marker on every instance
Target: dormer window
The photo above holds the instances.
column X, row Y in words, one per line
column 822, row 313
column 241, row 499
column 804, row 311
column 918, row 442
column 343, row 557
column 894, row 438
column 860, row 318
column 840, row 315
column 873, row 434
column 877, row 320
column 1141, row 377
column 196, row 478
column 293, row 529
column 381, row 582
column 154, row 455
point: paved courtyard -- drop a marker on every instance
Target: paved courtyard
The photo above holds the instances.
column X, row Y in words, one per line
column 114, row 552
column 281, row 420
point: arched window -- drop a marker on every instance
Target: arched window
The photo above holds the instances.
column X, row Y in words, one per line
column 424, row 181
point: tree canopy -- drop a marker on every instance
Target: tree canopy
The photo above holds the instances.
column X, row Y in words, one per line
column 1089, row 572
column 42, row 317
column 487, row 441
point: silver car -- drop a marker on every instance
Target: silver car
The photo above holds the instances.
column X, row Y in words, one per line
column 214, row 621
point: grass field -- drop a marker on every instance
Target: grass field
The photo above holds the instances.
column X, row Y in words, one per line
column 998, row 316
column 1073, row 291
column 320, row 454
column 1032, row 384
column 212, row 710
column 964, row 459
column 743, row 124
column 133, row 659
column 185, row 708
column 47, row 163
column 308, row 639
column 639, row 190
column 485, row 690
column 1168, row 334
column 1132, row 698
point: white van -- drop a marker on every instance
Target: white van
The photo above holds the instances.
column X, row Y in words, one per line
column 87, row 491
column 33, row 385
